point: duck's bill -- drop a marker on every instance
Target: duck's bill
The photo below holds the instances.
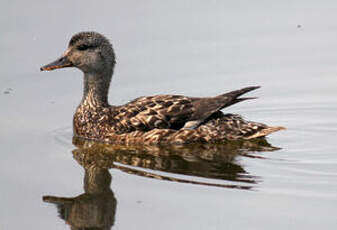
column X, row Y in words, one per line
column 62, row 62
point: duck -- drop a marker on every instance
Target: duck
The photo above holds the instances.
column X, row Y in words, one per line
column 158, row 119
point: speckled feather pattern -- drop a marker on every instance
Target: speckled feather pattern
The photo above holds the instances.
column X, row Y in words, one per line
column 159, row 119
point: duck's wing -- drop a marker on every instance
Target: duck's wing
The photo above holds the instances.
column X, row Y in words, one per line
column 151, row 112
column 205, row 107
column 174, row 111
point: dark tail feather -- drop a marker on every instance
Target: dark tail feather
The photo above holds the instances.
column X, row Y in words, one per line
column 233, row 96
column 239, row 92
column 236, row 100
column 245, row 98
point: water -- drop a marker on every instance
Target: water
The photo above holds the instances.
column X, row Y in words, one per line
column 192, row 48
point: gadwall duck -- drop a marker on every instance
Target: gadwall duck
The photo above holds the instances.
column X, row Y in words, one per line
column 174, row 119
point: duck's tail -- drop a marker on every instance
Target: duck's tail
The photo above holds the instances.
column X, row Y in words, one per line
column 266, row 131
column 233, row 97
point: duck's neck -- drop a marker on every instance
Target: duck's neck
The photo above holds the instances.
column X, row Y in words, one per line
column 96, row 88
column 97, row 180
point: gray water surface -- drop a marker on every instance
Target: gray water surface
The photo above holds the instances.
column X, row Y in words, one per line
column 194, row 48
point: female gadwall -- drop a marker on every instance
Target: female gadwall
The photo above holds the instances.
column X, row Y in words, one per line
column 172, row 119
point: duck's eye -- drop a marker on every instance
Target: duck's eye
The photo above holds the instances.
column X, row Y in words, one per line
column 83, row 47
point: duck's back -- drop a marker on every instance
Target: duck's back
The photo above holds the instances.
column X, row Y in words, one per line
column 167, row 118
column 156, row 112
column 142, row 114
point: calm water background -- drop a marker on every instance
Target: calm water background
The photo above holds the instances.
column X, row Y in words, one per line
column 175, row 47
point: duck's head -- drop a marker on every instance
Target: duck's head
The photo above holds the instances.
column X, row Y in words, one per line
column 90, row 52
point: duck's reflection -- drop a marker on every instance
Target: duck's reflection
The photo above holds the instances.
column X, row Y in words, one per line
column 95, row 209
column 203, row 160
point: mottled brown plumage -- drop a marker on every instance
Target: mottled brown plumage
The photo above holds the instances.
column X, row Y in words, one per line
column 154, row 119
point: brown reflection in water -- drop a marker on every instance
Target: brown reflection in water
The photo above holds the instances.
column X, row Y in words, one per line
column 95, row 208
column 212, row 161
